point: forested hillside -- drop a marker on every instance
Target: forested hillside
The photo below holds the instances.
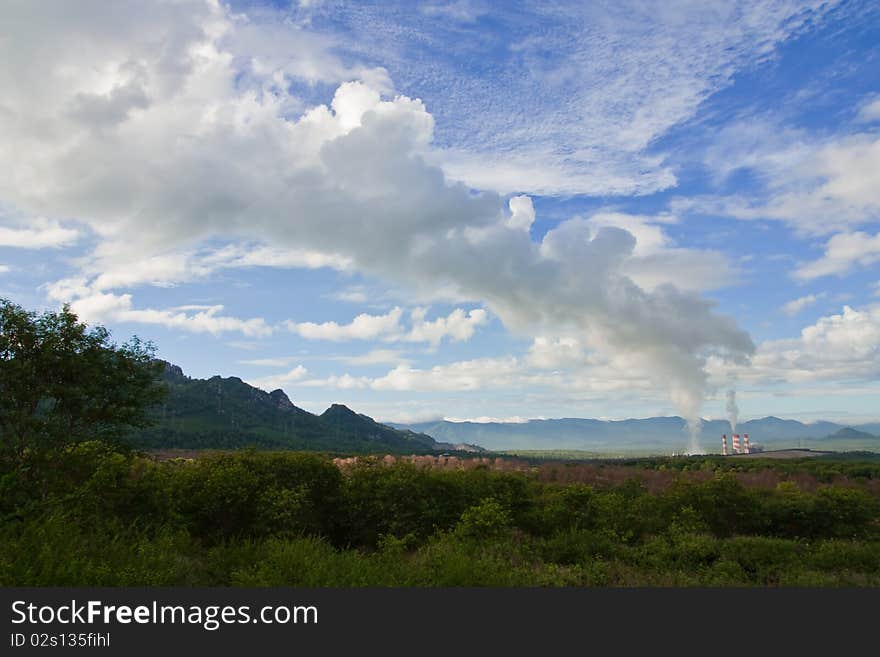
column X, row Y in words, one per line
column 228, row 413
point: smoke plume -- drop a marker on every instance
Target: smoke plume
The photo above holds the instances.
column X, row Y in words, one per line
column 732, row 410
column 182, row 146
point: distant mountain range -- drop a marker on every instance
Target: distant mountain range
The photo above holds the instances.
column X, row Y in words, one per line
column 661, row 434
column 226, row 413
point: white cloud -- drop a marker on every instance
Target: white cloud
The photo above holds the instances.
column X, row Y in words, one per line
column 817, row 186
column 159, row 270
column 843, row 347
column 40, row 234
column 375, row 357
column 458, row 325
column 465, row 11
column 587, row 88
column 656, row 260
column 386, row 413
column 115, row 265
column 279, row 48
column 795, row 306
column 487, row 419
column 351, row 295
column 241, row 256
column 853, row 332
column 67, row 289
column 522, row 213
column 870, row 111
column 104, row 307
column 245, row 345
column 276, row 381
column 362, row 327
column 843, row 252
column 556, row 353
column 281, row 361
column 464, row 375
column 194, row 135
column 344, row 382
column 4, row 269
column 551, row 370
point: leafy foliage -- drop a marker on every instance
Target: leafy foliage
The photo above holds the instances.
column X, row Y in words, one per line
column 267, row 519
column 62, row 383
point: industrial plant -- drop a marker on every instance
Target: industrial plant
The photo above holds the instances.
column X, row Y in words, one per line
column 739, row 447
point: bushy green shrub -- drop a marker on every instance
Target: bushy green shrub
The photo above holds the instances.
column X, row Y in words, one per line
column 266, row 519
column 236, row 495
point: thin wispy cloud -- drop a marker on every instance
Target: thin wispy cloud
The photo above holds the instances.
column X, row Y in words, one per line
column 566, row 97
column 795, row 306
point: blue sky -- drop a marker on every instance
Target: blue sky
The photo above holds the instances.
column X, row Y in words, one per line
column 460, row 209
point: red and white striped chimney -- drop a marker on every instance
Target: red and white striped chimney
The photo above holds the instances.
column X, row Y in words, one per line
column 736, row 443
column 746, row 443
column 724, row 444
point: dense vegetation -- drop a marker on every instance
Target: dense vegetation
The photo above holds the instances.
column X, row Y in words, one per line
column 62, row 383
column 227, row 413
column 258, row 518
column 827, row 468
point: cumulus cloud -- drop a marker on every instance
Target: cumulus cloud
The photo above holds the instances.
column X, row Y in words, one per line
column 458, row 325
column 362, row 327
column 522, row 212
column 841, row 347
column 280, row 380
column 210, row 148
column 795, row 306
column 40, row 234
column 843, row 252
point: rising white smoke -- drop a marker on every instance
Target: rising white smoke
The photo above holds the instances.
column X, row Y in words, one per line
column 732, row 410
column 195, row 141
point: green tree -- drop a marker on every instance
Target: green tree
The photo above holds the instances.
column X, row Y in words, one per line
column 485, row 520
column 62, row 383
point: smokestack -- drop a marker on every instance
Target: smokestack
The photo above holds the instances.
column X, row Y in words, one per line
column 736, row 443
column 746, row 443
column 724, row 444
